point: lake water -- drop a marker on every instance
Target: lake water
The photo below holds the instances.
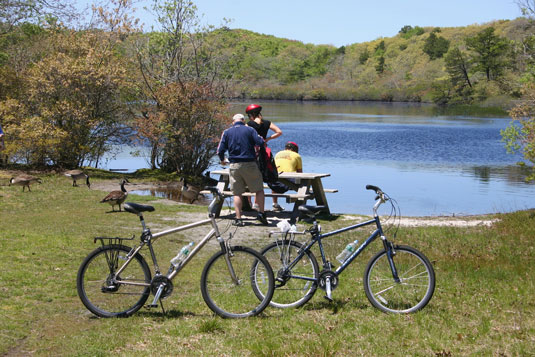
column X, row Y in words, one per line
column 431, row 163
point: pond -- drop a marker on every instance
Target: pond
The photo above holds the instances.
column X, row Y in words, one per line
column 431, row 163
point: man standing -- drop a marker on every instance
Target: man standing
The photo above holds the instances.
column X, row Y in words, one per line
column 240, row 141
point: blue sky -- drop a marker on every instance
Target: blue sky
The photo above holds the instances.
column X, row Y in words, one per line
column 343, row 22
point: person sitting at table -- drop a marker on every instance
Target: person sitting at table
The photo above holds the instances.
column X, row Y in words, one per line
column 287, row 160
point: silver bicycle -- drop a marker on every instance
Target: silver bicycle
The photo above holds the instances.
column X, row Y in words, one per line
column 115, row 280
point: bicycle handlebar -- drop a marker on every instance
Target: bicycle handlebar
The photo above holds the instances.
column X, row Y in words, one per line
column 374, row 188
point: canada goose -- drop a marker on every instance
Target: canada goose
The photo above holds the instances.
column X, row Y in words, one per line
column 116, row 197
column 24, row 181
column 77, row 175
column 189, row 192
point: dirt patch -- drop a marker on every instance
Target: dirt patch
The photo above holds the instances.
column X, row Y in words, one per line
column 463, row 221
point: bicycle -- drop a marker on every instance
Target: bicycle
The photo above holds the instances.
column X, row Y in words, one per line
column 398, row 279
column 115, row 280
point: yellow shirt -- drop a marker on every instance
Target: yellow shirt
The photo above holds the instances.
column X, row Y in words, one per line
column 288, row 161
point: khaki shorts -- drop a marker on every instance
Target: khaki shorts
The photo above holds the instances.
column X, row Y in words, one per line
column 243, row 175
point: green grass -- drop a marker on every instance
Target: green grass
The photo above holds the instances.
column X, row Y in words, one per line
column 483, row 303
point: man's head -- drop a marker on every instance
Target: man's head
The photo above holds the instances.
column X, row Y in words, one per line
column 290, row 145
column 238, row 117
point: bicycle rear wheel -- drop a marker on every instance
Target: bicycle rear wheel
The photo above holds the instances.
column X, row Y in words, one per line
column 227, row 285
column 105, row 298
column 411, row 293
column 294, row 287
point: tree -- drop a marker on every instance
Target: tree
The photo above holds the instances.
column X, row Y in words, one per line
column 380, row 66
column 184, row 88
column 14, row 12
column 435, row 46
column 457, row 67
column 73, row 105
column 364, row 55
column 519, row 136
column 490, row 51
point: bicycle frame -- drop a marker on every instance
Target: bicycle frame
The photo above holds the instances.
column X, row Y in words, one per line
column 316, row 237
column 147, row 238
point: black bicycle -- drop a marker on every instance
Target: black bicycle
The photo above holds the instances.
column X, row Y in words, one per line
column 398, row 279
column 115, row 280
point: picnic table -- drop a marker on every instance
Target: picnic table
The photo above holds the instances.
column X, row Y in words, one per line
column 307, row 186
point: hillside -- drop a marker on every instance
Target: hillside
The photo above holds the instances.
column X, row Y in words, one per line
column 388, row 69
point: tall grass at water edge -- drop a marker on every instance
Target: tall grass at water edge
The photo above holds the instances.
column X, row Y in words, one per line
column 483, row 303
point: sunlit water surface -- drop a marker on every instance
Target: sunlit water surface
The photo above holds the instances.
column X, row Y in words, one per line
column 432, row 164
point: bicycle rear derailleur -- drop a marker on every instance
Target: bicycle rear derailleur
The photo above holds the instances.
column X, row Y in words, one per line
column 328, row 281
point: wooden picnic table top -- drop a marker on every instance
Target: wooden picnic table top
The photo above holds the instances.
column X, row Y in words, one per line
column 284, row 175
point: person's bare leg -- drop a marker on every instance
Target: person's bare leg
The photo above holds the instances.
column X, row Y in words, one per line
column 238, row 205
column 259, row 200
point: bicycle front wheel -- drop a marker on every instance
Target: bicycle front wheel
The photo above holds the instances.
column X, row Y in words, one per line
column 295, row 286
column 108, row 295
column 227, row 283
column 415, row 286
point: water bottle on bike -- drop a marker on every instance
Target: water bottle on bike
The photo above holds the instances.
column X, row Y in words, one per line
column 177, row 261
column 348, row 250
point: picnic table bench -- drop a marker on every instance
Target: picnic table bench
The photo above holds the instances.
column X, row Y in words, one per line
column 307, row 186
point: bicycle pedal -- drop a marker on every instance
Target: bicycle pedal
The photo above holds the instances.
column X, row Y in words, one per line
column 150, row 306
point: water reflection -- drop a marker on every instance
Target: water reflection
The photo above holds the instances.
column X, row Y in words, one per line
column 174, row 194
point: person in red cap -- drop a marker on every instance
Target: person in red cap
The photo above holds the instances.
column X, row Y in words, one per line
column 262, row 126
column 287, row 160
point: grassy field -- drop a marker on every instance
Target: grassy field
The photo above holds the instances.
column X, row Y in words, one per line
column 484, row 302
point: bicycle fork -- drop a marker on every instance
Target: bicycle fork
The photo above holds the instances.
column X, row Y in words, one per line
column 225, row 247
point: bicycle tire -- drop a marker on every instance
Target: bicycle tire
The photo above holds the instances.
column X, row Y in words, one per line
column 231, row 299
column 291, row 291
column 412, row 293
column 105, row 299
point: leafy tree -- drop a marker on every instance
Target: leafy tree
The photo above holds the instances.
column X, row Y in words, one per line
column 14, row 12
column 519, row 136
column 185, row 85
column 490, row 50
column 435, row 46
column 408, row 31
column 72, row 106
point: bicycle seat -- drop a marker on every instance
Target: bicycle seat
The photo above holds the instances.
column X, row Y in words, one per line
column 310, row 211
column 137, row 208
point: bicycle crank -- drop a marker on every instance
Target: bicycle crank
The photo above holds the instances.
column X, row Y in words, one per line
column 161, row 287
column 328, row 281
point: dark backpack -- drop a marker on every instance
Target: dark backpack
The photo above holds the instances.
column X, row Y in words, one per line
column 266, row 164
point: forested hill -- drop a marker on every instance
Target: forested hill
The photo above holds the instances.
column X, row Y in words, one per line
column 482, row 64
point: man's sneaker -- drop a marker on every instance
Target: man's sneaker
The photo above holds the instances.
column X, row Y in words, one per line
column 238, row 223
column 255, row 207
column 262, row 218
column 277, row 207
